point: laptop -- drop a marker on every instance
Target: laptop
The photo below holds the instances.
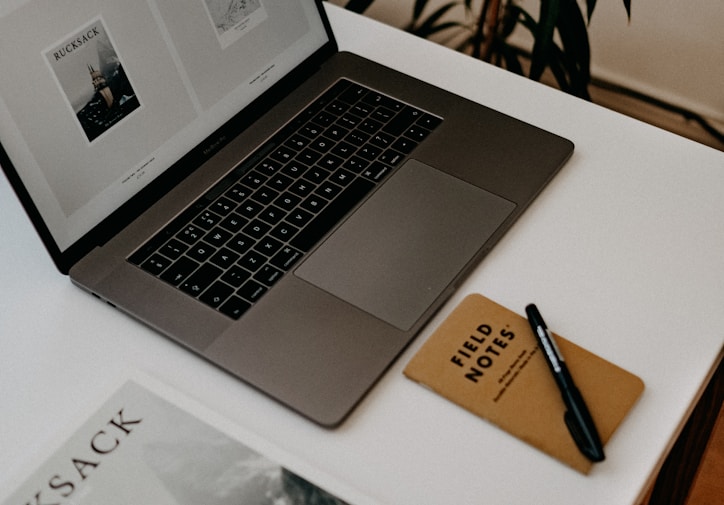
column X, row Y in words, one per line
column 218, row 170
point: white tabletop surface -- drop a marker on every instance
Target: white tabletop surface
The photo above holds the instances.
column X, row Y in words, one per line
column 622, row 251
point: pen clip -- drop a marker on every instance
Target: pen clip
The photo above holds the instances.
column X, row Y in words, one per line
column 579, row 437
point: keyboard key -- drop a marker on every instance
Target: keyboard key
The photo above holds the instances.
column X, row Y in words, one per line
column 268, row 167
column 378, row 99
column 253, row 226
column 234, row 222
column 201, row 252
column 369, row 152
column 190, row 234
column 336, row 133
column 376, row 172
column 256, row 229
column 201, row 279
column 249, row 208
column 224, row 258
column 286, row 258
column 216, row 294
column 344, row 150
column 342, row 177
column 280, row 182
column 357, row 138
column 254, row 180
column 391, row 157
column 268, row 246
column 223, row 206
column 353, row 93
column 287, row 201
column 272, row 215
column 308, row 156
column 283, row 154
column 322, row 144
column 349, row 121
column 302, row 188
column 330, row 161
column 429, row 121
column 316, row 175
column 284, row 231
column 173, row 249
column 313, row 203
column 265, row 195
column 297, row 142
column 240, row 243
column 299, row 217
column 356, row 164
column 236, row 276
column 207, row 220
column 252, row 291
column 238, row 193
column 218, row 237
column 370, row 126
column 404, row 145
column 156, row 264
column 383, row 114
column 235, row 307
column 402, row 121
column 324, row 118
column 382, row 140
column 331, row 215
column 417, row 133
column 310, row 131
column 179, row 271
column 295, row 169
column 362, row 109
column 337, row 108
column 252, row 261
column 268, row 275
column 328, row 190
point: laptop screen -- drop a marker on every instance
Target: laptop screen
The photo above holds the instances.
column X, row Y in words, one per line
column 99, row 97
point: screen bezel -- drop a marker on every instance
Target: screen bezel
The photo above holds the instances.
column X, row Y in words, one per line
column 173, row 175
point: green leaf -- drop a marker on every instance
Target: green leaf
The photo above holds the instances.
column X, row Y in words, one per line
column 418, row 8
column 428, row 26
column 510, row 57
column 543, row 45
column 627, row 5
column 358, row 5
column 574, row 38
column 590, row 5
column 525, row 19
column 427, row 31
column 508, row 21
column 558, row 70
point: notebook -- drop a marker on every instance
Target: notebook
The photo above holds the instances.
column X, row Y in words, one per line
column 218, row 170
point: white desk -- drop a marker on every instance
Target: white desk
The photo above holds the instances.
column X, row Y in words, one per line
column 623, row 251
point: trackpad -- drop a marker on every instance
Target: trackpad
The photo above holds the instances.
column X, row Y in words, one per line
column 397, row 253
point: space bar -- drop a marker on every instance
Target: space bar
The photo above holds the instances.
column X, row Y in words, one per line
column 331, row 214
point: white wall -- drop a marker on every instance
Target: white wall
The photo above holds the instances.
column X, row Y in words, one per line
column 672, row 49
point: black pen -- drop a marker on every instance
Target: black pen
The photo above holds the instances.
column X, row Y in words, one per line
column 577, row 417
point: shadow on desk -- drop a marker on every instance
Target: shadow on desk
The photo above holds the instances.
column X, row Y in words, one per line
column 692, row 473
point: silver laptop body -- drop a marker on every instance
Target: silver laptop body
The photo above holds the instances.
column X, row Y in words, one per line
column 197, row 89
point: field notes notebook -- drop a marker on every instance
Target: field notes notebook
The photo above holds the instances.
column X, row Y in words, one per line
column 485, row 358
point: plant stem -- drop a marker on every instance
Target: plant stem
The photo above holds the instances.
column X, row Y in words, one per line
column 479, row 35
column 491, row 22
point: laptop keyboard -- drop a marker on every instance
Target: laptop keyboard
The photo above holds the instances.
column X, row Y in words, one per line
column 236, row 241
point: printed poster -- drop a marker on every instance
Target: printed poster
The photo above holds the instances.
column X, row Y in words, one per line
column 93, row 79
column 139, row 448
column 232, row 19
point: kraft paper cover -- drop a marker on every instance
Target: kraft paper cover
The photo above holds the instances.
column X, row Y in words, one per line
column 486, row 359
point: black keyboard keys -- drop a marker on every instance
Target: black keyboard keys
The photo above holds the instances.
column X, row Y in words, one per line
column 237, row 241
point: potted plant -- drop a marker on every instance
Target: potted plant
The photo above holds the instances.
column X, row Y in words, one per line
column 560, row 35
